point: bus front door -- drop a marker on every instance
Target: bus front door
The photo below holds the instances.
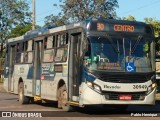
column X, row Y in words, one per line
column 37, row 68
column 74, row 67
column 12, row 54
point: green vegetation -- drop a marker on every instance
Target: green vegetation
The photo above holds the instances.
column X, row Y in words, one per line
column 130, row 18
column 12, row 13
column 78, row 10
column 20, row 30
column 156, row 27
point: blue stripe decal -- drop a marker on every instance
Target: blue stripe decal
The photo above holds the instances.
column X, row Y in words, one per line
column 87, row 76
column 30, row 72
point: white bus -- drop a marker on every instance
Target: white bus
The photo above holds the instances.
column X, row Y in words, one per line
column 93, row 62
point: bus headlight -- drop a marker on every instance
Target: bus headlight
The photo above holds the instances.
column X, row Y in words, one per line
column 151, row 87
column 94, row 86
column 90, row 84
column 154, row 85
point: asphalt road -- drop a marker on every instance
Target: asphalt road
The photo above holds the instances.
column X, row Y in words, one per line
column 9, row 102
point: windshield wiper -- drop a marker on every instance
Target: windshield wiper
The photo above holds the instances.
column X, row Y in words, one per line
column 112, row 43
column 135, row 45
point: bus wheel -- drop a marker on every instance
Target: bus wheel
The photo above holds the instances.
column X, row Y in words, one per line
column 62, row 99
column 22, row 98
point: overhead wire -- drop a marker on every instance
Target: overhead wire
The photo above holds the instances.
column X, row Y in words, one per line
column 129, row 11
column 141, row 7
column 42, row 19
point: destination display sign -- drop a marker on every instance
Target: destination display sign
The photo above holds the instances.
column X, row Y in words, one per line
column 124, row 28
column 119, row 27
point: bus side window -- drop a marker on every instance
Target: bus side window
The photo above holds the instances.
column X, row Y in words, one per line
column 29, row 47
column 21, row 52
column 62, row 49
column 45, row 44
column 49, row 42
column 64, row 39
column 22, row 45
column 54, row 41
column 25, row 46
column 29, row 50
column 17, row 47
column 7, row 55
column 48, row 50
column 32, row 45
column 28, row 57
column 12, row 50
column 18, row 54
column 58, row 40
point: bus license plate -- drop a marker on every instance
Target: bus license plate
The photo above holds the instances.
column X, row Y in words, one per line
column 125, row 97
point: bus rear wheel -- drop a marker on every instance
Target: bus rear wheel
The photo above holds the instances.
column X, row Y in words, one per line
column 22, row 98
column 63, row 99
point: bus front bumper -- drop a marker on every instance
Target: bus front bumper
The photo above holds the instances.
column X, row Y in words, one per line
column 91, row 97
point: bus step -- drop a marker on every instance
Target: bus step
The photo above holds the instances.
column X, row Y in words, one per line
column 73, row 103
column 37, row 98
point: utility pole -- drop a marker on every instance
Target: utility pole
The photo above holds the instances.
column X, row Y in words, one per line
column 33, row 14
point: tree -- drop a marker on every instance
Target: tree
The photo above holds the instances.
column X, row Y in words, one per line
column 156, row 27
column 12, row 13
column 20, row 30
column 130, row 18
column 52, row 20
column 78, row 10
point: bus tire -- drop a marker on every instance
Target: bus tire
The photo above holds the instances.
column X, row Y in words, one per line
column 59, row 97
column 22, row 98
column 62, row 99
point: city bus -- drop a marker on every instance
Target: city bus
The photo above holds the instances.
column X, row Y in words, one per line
column 93, row 62
column 157, row 64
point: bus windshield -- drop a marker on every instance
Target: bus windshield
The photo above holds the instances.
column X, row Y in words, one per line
column 121, row 54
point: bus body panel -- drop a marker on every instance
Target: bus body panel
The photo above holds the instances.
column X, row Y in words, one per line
column 89, row 97
column 50, row 87
column 25, row 72
column 124, row 87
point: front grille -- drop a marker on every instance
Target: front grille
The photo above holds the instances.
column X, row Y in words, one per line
column 115, row 95
column 124, row 77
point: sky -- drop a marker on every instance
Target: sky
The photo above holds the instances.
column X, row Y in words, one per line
column 137, row 8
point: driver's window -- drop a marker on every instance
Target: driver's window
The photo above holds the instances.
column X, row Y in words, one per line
column 87, row 58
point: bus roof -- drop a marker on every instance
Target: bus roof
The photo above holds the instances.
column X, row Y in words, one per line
column 44, row 31
column 15, row 39
column 86, row 24
column 119, row 21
